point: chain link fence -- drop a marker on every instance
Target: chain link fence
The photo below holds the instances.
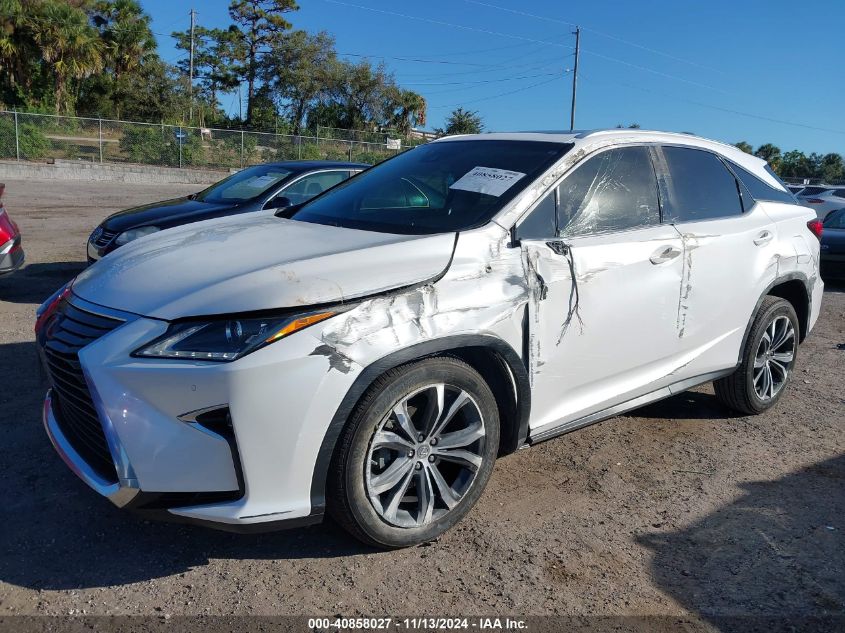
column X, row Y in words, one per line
column 37, row 137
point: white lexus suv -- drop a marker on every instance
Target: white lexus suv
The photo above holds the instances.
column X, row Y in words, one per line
column 371, row 352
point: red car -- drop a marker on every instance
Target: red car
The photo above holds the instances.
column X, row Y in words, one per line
column 11, row 251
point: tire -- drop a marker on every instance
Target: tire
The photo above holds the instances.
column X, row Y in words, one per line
column 741, row 391
column 377, row 439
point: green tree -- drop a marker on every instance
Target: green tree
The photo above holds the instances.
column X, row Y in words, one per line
column 795, row 164
column 362, row 92
column 769, row 153
column 128, row 44
column 157, row 95
column 745, row 147
column 260, row 23
column 832, row 168
column 299, row 69
column 15, row 44
column 408, row 110
column 217, row 54
column 462, row 122
column 70, row 47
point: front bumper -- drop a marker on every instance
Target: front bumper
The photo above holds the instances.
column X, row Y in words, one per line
column 281, row 400
column 11, row 256
column 119, row 492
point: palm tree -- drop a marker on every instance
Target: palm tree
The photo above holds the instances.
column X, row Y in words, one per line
column 13, row 43
column 125, row 28
column 411, row 112
column 127, row 43
column 462, row 122
column 69, row 46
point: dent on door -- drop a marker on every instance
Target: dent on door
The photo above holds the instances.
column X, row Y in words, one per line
column 602, row 317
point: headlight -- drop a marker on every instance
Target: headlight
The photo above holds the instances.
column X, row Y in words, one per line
column 134, row 234
column 226, row 339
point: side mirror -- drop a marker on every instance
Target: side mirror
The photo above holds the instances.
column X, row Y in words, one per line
column 279, row 202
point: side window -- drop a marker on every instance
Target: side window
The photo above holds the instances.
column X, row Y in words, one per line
column 696, row 185
column 540, row 223
column 613, row 191
column 309, row 186
column 758, row 189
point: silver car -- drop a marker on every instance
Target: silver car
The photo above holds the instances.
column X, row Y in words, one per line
column 822, row 199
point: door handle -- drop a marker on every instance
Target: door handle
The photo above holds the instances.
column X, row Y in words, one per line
column 665, row 254
column 764, row 238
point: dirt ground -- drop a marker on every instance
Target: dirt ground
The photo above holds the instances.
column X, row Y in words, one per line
column 680, row 508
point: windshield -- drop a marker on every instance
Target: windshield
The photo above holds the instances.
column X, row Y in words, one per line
column 245, row 185
column 435, row 188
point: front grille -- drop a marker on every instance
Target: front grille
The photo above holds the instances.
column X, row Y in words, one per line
column 71, row 330
column 104, row 238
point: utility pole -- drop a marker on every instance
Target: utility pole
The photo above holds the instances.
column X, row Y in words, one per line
column 191, row 71
column 577, row 34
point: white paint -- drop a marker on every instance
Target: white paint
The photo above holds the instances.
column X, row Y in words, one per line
column 655, row 306
column 257, row 262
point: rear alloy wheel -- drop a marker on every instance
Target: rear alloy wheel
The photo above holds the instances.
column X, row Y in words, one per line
column 416, row 455
column 767, row 360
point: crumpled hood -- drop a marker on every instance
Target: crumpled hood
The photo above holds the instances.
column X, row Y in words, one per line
column 257, row 262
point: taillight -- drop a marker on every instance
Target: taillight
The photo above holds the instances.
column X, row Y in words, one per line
column 8, row 229
column 816, row 227
column 813, row 200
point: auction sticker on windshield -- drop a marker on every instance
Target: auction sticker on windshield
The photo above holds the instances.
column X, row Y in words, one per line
column 261, row 182
column 487, row 180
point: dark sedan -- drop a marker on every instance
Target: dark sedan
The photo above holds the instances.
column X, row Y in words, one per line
column 833, row 246
column 268, row 186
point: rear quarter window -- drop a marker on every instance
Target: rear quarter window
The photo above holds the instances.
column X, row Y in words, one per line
column 759, row 189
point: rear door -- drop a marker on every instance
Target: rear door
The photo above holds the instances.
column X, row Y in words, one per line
column 604, row 275
column 730, row 255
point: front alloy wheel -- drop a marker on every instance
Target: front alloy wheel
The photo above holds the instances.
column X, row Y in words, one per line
column 416, row 453
column 425, row 455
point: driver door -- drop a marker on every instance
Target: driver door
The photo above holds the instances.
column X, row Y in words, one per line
column 605, row 290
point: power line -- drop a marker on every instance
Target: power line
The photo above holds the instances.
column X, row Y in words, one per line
column 479, row 81
column 496, row 69
column 449, row 24
column 656, row 72
column 408, row 59
column 600, row 33
column 496, row 96
column 723, row 109
column 500, row 34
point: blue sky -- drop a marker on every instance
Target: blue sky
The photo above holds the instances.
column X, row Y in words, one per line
column 669, row 65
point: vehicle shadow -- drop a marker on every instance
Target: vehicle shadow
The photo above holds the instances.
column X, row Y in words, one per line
column 777, row 551
column 59, row 534
column 689, row 405
column 35, row 282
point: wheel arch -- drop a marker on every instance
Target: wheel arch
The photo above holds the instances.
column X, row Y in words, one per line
column 493, row 358
column 792, row 287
